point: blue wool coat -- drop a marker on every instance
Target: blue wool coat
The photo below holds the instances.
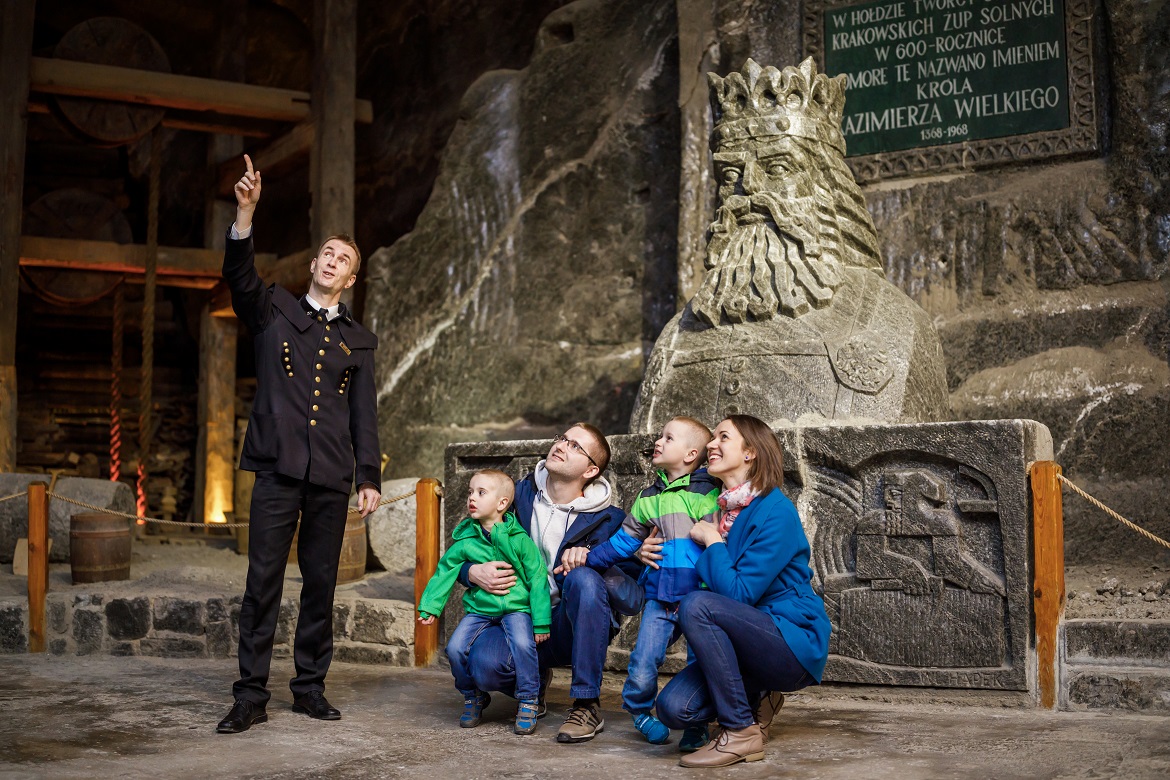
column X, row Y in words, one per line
column 765, row 564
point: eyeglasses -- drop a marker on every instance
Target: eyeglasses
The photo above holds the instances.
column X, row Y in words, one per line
column 574, row 446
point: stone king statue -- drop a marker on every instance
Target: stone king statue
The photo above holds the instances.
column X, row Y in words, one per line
column 794, row 320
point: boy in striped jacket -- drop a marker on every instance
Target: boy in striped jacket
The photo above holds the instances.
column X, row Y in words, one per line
column 682, row 494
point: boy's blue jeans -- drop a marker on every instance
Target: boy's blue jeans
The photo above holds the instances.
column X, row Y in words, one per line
column 517, row 628
column 659, row 630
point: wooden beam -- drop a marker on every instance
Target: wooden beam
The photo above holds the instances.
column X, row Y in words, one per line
column 16, row 40
column 38, row 563
column 128, row 85
column 426, row 560
column 183, row 122
column 280, row 156
column 334, row 84
column 36, row 251
column 1048, row 577
column 217, row 416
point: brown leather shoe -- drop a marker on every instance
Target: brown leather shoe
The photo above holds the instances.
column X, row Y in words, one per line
column 731, row 747
column 766, row 710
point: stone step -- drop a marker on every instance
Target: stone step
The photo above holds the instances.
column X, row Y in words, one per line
column 366, row 630
column 1117, row 688
column 1126, row 643
column 1116, row 664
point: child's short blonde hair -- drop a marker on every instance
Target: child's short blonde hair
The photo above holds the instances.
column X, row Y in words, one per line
column 501, row 480
column 697, row 436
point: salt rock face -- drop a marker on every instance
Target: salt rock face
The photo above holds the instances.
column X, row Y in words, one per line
column 111, row 496
column 391, row 528
column 794, row 319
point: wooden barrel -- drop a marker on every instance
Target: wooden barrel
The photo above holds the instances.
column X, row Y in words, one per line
column 352, row 565
column 353, row 550
column 99, row 547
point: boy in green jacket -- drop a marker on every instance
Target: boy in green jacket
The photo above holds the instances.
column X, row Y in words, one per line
column 493, row 534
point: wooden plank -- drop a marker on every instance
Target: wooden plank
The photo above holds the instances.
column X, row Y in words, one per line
column 36, row 251
column 38, row 564
column 16, row 40
column 279, row 157
column 184, row 122
column 127, row 85
column 1048, row 577
column 426, row 560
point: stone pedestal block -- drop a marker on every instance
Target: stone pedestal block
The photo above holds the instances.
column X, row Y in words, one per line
column 921, row 541
column 391, row 528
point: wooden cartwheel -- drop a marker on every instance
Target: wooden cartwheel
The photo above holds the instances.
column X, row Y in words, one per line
column 74, row 213
column 108, row 40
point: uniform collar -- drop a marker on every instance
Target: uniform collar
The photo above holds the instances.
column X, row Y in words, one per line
column 333, row 312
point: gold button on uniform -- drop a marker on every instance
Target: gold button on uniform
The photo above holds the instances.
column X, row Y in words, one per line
column 316, row 392
column 314, row 407
column 326, row 327
column 285, row 344
column 290, row 373
column 320, row 352
column 318, row 366
column 316, row 379
column 312, row 422
column 326, row 339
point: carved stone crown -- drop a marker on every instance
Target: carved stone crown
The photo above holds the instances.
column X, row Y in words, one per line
column 766, row 102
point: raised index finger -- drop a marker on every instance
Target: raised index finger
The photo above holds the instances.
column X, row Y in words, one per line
column 248, row 162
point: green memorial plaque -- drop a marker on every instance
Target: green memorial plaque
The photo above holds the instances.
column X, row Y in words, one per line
column 937, row 84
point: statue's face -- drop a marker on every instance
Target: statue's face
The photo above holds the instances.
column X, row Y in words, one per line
column 764, row 250
column 775, row 167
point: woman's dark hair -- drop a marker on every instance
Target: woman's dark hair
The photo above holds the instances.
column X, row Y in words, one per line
column 766, row 470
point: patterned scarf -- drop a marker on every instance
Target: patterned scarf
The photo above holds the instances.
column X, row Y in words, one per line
column 732, row 502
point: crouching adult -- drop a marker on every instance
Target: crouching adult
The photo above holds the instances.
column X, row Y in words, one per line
column 564, row 505
column 760, row 629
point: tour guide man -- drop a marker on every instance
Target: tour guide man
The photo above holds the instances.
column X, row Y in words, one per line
column 314, row 415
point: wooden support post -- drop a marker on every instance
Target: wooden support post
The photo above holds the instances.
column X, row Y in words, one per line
column 1048, row 581
column 215, row 451
column 334, row 88
column 38, row 564
column 216, row 465
column 426, row 560
column 16, row 40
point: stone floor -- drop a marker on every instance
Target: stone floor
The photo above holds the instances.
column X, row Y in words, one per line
column 100, row 716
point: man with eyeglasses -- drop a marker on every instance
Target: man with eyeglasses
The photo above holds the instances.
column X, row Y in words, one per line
column 564, row 505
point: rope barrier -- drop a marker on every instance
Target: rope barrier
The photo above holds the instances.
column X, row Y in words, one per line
column 353, row 510
column 21, row 494
column 1111, row 513
column 117, row 339
column 150, row 279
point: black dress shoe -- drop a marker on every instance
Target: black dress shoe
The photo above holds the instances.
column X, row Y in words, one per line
column 244, row 713
column 314, row 705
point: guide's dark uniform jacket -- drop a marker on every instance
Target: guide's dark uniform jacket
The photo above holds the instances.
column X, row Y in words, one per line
column 315, row 410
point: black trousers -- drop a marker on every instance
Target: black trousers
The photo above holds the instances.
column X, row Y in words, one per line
column 277, row 500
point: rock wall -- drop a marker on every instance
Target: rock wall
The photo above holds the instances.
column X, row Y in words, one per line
column 1047, row 282
column 542, row 267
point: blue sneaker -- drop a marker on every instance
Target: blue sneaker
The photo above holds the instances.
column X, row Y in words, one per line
column 473, row 709
column 654, row 730
column 693, row 738
column 526, row 715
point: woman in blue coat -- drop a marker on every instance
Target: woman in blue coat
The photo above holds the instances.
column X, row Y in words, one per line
column 759, row 628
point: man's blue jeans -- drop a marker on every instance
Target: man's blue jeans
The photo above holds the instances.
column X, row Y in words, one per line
column 659, row 630
column 739, row 654
column 517, row 630
column 581, row 630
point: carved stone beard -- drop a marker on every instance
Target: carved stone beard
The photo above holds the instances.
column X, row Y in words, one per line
column 757, row 269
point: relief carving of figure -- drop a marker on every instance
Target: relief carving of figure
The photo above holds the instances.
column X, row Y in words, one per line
column 794, row 319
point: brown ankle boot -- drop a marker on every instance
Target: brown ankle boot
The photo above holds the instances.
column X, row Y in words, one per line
column 766, row 711
column 730, row 747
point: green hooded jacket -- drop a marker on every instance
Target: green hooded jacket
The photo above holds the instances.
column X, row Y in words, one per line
column 509, row 542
